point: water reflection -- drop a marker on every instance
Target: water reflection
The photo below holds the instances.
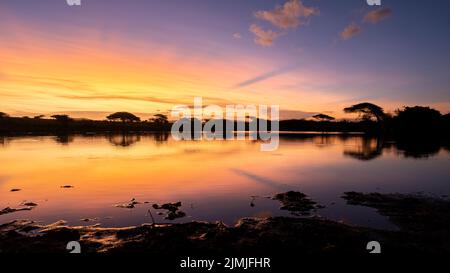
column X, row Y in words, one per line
column 161, row 137
column 373, row 147
column 123, row 140
column 369, row 149
column 357, row 146
column 2, row 141
column 419, row 148
column 218, row 177
column 64, row 139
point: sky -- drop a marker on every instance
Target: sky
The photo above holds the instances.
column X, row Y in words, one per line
column 144, row 57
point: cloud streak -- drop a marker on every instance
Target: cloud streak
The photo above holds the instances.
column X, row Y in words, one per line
column 372, row 17
column 350, row 31
column 375, row 16
column 187, row 100
column 266, row 76
column 263, row 37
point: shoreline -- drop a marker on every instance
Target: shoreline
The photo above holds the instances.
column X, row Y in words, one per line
column 423, row 221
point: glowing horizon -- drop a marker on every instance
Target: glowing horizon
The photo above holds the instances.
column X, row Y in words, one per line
column 109, row 56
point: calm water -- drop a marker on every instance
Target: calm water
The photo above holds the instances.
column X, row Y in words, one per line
column 214, row 180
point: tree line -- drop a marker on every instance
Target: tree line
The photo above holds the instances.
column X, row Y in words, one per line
column 372, row 119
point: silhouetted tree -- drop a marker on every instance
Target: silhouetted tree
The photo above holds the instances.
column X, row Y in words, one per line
column 160, row 119
column 124, row 117
column 446, row 118
column 62, row 118
column 418, row 119
column 445, row 121
column 3, row 115
column 38, row 117
column 367, row 110
column 323, row 117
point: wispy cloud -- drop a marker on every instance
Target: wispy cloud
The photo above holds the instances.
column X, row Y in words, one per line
column 119, row 97
column 376, row 16
column 292, row 14
column 372, row 17
column 171, row 101
column 263, row 37
column 295, row 114
column 350, row 31
column 266, row 76
column 237, row 36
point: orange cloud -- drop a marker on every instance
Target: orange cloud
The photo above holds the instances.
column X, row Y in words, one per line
column 263, row 37
column 378, row 15
column 289, row 15
column 350, row 31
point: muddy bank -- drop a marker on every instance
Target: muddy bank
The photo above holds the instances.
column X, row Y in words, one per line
column 423, row 224
column 425, row 219
column 264, row 236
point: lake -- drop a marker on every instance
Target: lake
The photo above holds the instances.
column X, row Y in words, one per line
column 214, row 180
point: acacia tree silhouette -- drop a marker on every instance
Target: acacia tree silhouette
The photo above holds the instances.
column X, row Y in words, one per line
column 160, row 119
column 323, row 117
column 124, row 117
column 62, row 118
column 367, row 110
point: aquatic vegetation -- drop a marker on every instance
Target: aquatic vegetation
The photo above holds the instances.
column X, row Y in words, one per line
column 29, row 204
column 129, row 205
column 296, row 202
column 173, row 211
column 411, row 212
column 11, row 210
column 253, row 235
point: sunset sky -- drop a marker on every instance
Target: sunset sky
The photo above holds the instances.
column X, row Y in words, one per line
column 146, row 56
